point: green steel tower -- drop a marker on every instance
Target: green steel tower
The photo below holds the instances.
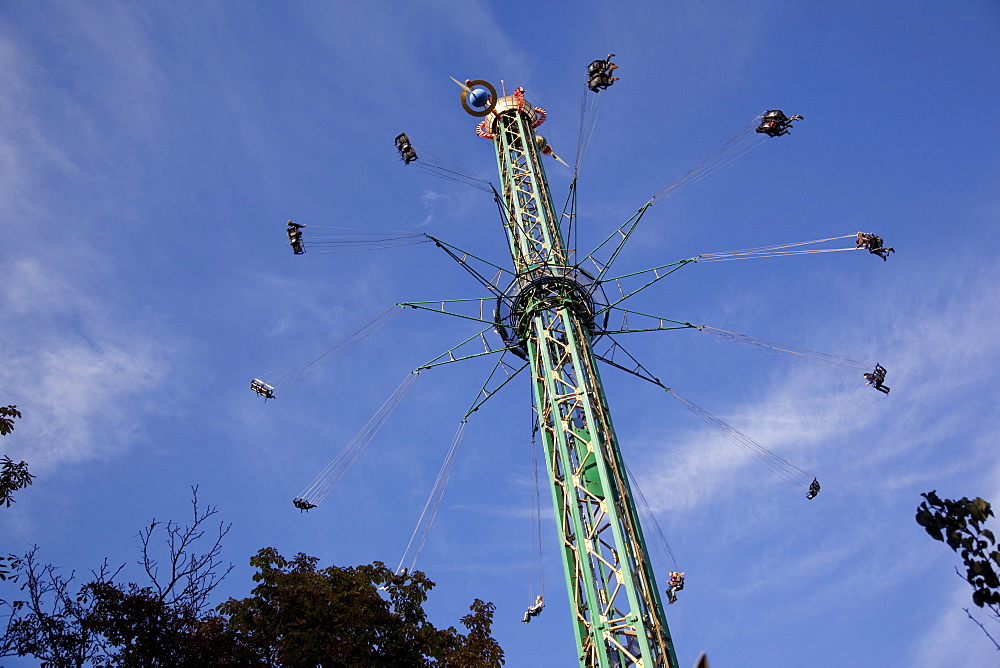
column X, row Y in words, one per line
column 618, row 617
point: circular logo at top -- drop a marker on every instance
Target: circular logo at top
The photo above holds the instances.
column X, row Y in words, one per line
column 480, row 99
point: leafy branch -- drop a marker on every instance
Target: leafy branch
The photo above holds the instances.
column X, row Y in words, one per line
column 960, row 524
column 12, row 476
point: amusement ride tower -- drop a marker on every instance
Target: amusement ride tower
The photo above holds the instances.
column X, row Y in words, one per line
column 548, row 317
column 550, row 310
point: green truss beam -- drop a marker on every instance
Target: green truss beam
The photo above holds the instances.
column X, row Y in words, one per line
column 618, row 617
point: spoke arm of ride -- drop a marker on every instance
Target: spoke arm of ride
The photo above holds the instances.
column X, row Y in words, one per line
column 655, row 270
column 463, row 257
column 632, row 224
column 569, row 211
column 432, row 364
column 655, row 322
column 446, row 246
column 625, row 231
column 658, row 273
column 629, row 365
column 442, row 306
column 448, row 356
column 485, row 392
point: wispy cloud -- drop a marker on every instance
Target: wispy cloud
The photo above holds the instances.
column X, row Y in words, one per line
column 946, row 355
column 84, row 375
column 84, row 363
column 430, row 197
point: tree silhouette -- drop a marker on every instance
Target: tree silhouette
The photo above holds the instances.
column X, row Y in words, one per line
column 960, row 524
column 297, row 615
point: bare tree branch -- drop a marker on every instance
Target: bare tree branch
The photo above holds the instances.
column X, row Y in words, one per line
column 980, row 625
column 192, row 576
column 49, row 623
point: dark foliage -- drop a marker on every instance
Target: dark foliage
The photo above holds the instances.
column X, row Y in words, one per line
column 161, row 624
column 7, row 415
column 12, row 476
column 48, row 621
column 297, row 615
column 960, row 524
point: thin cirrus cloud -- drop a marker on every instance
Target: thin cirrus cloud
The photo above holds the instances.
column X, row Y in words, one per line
column 77, row 363
column 85, row 379
column 943, row 358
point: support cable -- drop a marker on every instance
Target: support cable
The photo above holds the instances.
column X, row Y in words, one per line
column 319, row 488
column 736, row 146
column 430, row 509
column 286, row 377
column 502, row 209
column 351, row 240
column 649, row 517
column 435, row 164
column 452, row 175
column 733, row 148
column 776, row 251
column 785, row 350
column 659, row 272
column 777, row 464
column 536, row 518
column 590, row 108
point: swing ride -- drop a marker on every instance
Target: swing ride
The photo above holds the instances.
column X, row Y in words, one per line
column 558, row 314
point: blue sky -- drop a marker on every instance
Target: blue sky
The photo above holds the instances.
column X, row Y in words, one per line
column 151, row 152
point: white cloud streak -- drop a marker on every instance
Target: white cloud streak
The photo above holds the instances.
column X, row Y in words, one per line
column 938, row 363
column 82, row 363
column 82, row 373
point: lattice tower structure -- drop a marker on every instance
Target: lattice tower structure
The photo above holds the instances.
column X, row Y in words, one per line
column 618, row 617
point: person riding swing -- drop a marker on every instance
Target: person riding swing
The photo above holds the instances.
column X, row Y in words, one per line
column 534, row 610
column 873, row 243
column 774, row 123
column 599, row 74
column 676, row 584
column 302, row 504
column 406, row 151
column 877, row 379
column 295, row 237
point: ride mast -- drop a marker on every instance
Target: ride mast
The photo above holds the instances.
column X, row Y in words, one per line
column 618, row 617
